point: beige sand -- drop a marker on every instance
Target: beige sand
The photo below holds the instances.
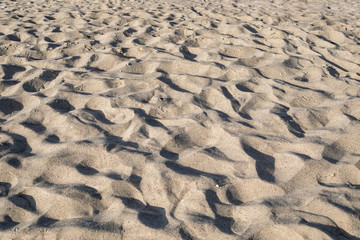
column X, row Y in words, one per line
column 179, row 119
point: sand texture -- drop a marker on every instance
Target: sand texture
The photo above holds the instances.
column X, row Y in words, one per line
column 180, row 119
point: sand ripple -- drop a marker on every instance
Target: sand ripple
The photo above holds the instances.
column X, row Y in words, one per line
column 179, row 120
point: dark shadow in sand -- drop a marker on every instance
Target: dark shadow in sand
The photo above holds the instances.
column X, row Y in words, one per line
column 49, row 75
column 45, row 222
column 92, row 192
column 99, row 115
column 4, row 189
column 8, row 223
column 61, row 105
column 265, row 164
column 52, row 139
column 332, row 231
column 38, row 128
column 24, row 201
column 180, row 169
column 14, row 162
column 86, row 170
column 187, row 54
column 9, row 106
column 292, row 125
column 11, row 70
column 17, row 145
column 224, row 224
column 150, row 216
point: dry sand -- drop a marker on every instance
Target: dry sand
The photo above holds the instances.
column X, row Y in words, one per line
column 179, row 119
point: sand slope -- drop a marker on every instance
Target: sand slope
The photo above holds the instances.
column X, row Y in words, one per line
column 179, row 119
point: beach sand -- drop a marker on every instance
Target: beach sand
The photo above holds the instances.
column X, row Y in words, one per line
column 179, row 119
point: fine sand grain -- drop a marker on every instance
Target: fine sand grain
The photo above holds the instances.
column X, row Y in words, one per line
column 180, row 119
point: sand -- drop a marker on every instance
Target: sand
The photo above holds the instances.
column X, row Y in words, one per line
column 179, row 119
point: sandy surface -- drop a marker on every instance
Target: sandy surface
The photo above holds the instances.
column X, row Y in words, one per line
column 179, row 119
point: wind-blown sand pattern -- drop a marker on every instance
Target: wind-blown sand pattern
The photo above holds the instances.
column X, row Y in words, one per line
column 179, row 119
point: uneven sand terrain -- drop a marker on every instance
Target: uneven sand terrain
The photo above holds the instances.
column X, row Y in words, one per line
column 179, row 119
